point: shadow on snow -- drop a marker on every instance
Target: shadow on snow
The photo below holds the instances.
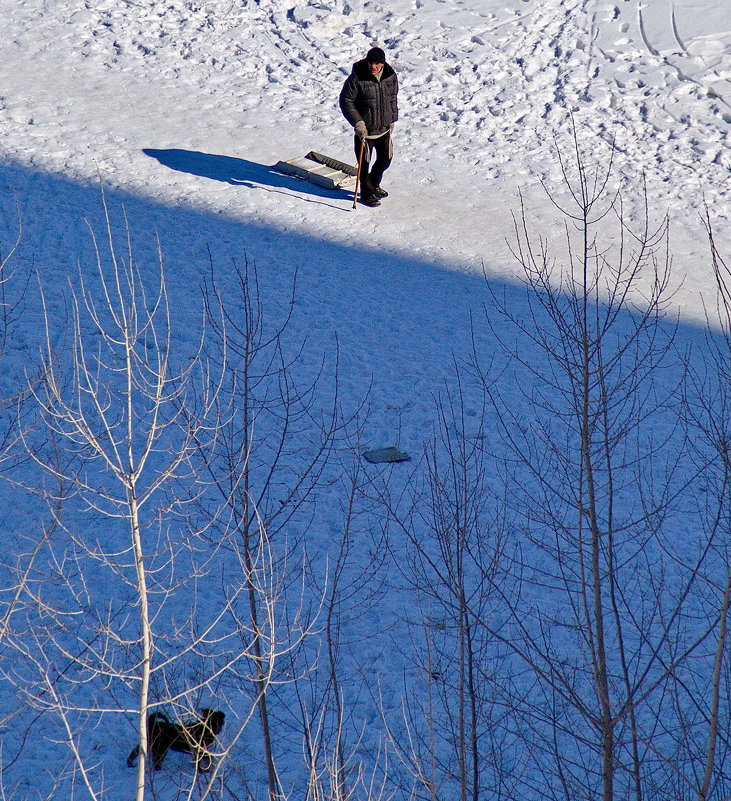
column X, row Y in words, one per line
column 238, row 172
column 397, row 323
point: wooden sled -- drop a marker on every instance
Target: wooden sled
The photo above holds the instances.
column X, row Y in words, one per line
column 319, row 169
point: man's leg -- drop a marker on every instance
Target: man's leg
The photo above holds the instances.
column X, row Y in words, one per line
column 384, row 155
column 365, row 182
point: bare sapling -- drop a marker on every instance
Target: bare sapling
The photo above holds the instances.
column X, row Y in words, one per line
column 589, row 461
column 274, row 442
column 702, row 767
column 128, row 419
column 349, row 573
column 455, row 557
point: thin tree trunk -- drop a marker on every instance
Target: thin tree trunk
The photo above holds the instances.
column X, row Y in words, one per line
column 146, row 638
column 260, row 682
column 462, row 747
column 606, row 724
column 340, row 779
column 716, row 691
column 472, row 693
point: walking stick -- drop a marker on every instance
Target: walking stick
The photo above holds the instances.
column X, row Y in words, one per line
column 357, row 175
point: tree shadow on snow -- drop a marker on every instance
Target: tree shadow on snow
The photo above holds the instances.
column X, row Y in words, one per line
column 238, row 172
column 374, row 332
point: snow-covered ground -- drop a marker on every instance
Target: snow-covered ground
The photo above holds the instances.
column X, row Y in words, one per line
column 92, row 90
column 485, row 87
column 180, row 107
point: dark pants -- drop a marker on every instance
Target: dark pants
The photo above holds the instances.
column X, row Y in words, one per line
column 371, row 174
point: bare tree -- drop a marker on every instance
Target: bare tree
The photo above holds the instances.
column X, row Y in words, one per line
column 111, row 608
column 11, row 398
column 274, row 443
column 349, row 572
column 28, row 540
column 446, row 739
column 589, row 451
column 702, row 766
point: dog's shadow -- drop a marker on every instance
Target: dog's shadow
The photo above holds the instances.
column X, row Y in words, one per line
column 238, row 172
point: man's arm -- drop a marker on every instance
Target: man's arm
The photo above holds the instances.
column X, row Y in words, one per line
column 348, row 97
column 394, row 100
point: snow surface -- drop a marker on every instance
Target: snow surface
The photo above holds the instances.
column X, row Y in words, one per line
column 179, row 107
column 485, row 87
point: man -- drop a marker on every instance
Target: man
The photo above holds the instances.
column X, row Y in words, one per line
column 368, row 101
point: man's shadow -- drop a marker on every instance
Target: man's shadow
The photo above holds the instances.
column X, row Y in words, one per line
column 240, row 172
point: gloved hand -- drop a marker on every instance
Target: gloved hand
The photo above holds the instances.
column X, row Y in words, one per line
column 360, row 129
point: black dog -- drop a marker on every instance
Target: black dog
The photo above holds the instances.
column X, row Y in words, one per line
column 194, row 737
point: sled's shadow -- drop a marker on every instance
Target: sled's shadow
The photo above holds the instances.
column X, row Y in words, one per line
column 239, row 172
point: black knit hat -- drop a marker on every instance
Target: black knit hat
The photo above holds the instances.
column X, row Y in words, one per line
column 376, row 56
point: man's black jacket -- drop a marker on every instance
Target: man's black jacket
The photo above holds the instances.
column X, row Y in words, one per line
column 364, row 97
